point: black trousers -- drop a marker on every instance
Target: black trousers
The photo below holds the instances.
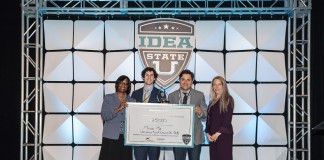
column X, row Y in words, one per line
column 112, row 149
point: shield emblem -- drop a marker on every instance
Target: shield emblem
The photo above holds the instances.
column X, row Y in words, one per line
column 166, row 44
column 186, row 138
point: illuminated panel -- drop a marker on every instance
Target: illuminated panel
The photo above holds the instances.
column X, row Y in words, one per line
column 88, row 97
column 58, row 66
column 270, row 153
column 119, row 34
column 248, row 152
column 271, row 130
column 240, row 35
column 244, row 97
column 240, row 66
column 209, row 65
column 271, row 34
column 88, row 66
column 57, row 129
column 86, row 152
column 119, row 63
column 58, row 97
column 57, row 152
column 271, row 67
column 88, row 34
column 271, row 98
column 87, row 129
column 210, row 35
column 58, row 34
column 244, row 127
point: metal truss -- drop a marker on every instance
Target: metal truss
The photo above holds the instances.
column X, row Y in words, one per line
column 31, row 82
column 166, row 7
column 298, row 12
column 299, row 128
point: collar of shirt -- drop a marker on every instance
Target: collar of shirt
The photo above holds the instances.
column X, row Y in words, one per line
column 182, row 95
column 188, row 92
column 149, row 89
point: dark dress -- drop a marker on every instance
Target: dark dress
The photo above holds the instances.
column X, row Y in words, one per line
column 221, row 149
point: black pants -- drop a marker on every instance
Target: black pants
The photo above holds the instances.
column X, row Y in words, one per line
column 112, row 149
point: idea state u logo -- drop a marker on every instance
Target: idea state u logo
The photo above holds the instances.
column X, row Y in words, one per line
column 165, row 44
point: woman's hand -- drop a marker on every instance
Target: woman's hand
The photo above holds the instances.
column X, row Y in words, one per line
column 209, row 137
column 121, row 106
column 215, row 136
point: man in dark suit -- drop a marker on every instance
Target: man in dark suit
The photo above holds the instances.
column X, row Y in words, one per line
column 187, row 95
column 148, row 94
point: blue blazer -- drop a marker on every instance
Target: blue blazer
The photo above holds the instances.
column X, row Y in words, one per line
column 111, row 119
column 155, row 96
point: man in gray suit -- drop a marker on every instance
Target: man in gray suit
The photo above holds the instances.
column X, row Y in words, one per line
column 187, row 95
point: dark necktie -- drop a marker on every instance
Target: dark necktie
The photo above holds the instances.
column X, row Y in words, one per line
column 185, row 98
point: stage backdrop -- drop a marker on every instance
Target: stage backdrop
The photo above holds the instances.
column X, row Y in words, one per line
column 83, row 59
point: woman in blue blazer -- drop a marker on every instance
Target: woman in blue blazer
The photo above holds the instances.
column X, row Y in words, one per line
column 113, row 115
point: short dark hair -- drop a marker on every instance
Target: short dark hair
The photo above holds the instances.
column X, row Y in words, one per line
column 148, row 69
column 121, row 79
column 187, row 71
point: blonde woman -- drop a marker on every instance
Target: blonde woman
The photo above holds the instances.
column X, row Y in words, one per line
column 219, row 128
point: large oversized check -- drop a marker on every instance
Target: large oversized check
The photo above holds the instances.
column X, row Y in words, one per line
column 152, row 124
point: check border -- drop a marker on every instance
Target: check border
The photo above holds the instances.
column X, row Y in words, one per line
column 182, row 116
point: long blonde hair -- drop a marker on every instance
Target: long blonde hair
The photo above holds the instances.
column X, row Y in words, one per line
column 225, row 97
